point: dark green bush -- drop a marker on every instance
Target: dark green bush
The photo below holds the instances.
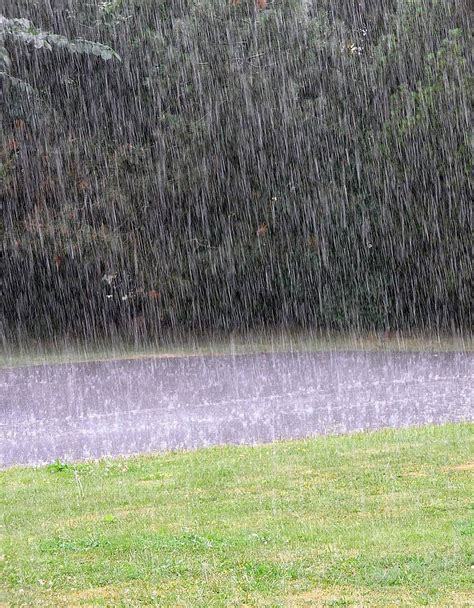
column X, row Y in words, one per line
column 307, row 164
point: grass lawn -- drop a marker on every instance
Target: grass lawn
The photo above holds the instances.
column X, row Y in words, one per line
column 371, row 519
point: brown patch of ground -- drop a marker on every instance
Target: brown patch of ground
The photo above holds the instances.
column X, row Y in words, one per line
column 317, row 597
column 462, row 598
column 86, row 598
column 466, row 466
column 98, row 592
column 416, row 474
column 363, row 597
column 118, row 513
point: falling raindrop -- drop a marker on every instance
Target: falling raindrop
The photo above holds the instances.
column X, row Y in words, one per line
column 199, row 177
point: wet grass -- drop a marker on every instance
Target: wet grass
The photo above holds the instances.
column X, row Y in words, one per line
column 372, row 519
column 285, row 341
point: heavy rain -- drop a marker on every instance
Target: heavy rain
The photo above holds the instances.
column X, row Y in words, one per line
column 177, row 173
column 232, row 222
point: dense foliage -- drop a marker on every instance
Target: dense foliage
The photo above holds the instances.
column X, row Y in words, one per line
column 233, row 164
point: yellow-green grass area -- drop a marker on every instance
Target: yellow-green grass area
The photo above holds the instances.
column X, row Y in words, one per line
column 370, row 519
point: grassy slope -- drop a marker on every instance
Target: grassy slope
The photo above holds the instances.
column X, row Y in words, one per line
column 375, row 519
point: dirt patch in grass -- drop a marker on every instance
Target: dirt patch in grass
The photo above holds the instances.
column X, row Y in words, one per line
column 364, row 597
column 346, row 596
column 116, row 514
column 317, row 597
column 466, row 466
column 90, row 598
column 414, row 474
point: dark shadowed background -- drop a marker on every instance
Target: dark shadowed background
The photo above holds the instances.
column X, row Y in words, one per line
column 289, row 163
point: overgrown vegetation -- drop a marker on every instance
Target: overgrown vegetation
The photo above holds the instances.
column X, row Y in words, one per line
column 281, row 163
column 376, row 519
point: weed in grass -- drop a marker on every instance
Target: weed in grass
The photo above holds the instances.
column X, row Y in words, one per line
column 57, row 467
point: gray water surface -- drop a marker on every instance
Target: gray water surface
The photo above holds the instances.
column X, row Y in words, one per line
column 88, row 410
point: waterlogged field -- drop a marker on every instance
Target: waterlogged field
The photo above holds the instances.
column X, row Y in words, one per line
column 372, row 519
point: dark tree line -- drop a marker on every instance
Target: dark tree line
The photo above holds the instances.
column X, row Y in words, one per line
column 243, row 164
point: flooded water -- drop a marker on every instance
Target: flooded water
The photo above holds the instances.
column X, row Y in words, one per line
column 88, row 410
